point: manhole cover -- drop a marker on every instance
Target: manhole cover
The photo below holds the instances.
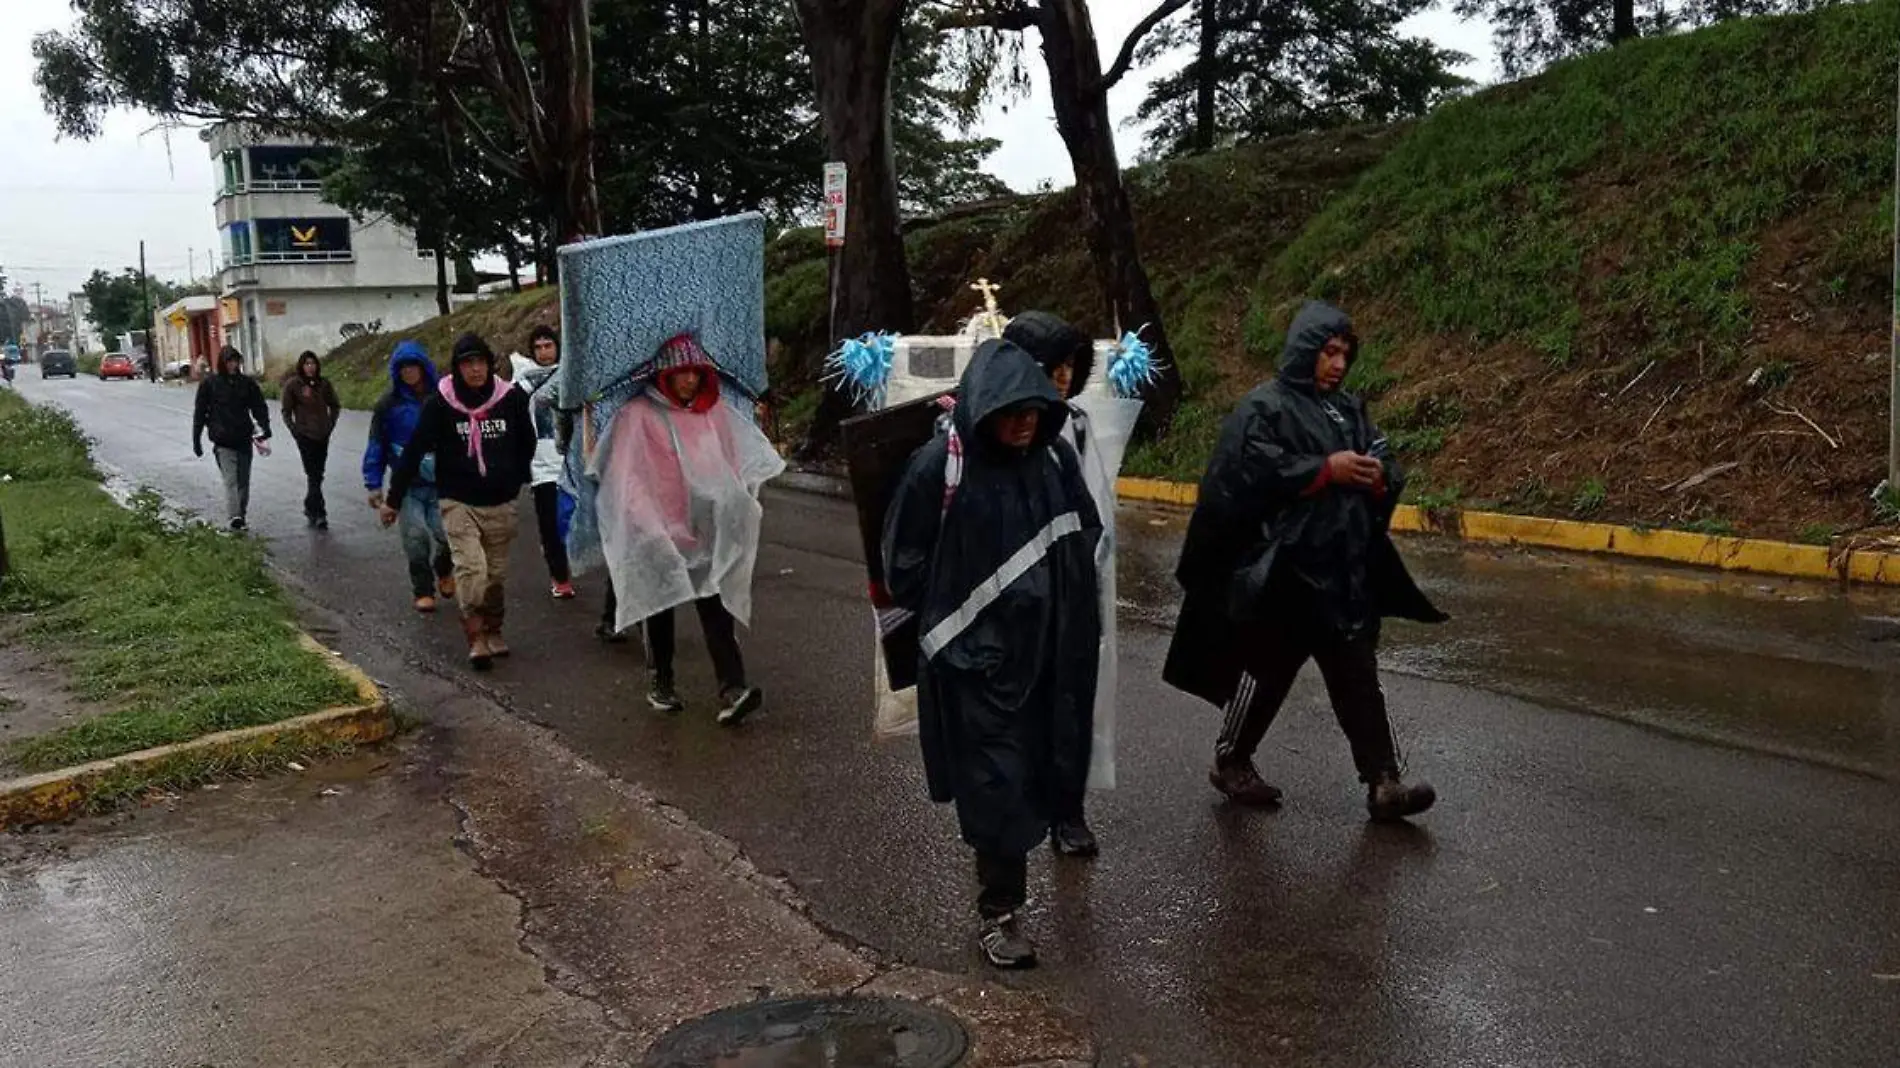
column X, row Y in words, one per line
column 843, row 1032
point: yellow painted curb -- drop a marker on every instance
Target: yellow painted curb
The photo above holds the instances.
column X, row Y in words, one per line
column 58, row 795
column 1751, row 555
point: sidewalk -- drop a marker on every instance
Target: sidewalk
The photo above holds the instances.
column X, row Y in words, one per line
column 474, row 894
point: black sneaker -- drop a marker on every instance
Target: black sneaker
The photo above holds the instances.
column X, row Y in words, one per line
column 738, row 704
column 321, row 523
column 1072, row 838
column 1003, row 944
column 237, row 524
column 605, row 632
column 1240, row 781
column 1389, row 799
column 662, row 697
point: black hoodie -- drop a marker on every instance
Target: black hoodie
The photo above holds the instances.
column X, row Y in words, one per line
column 507, row 445
column 227, row 404
column 1052, row 342
column 1006, row 687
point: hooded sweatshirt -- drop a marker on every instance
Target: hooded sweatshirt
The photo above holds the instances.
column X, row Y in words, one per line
column 393, row 421
column 539, row 384
column 483, row 441
column 310, row 404
column 227, row 405
column 1003, row 582
column 1052, row 342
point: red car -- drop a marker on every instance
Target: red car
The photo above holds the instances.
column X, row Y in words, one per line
column 117, row 366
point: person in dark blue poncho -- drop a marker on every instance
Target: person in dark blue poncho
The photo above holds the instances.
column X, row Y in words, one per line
column 991, row 541
column 1288, row 559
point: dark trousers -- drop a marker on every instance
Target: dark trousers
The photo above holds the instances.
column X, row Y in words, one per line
column 1004, row 882
column 547, row 505
column 1274, row 654
column 315, row 454
column 722, row 643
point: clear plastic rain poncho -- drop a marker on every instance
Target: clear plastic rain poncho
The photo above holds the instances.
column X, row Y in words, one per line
column 676, row 493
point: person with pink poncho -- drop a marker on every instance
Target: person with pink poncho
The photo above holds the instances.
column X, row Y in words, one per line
column 679, row 471
column 481, row 432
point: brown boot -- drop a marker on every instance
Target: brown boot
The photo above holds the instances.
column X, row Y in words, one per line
column 1242, row 784
column 1389, row 799
column 480, row 657
column 492, row 633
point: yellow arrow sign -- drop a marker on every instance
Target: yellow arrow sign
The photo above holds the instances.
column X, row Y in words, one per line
column 303, row 238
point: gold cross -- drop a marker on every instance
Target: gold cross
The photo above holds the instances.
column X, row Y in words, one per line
column 989, row 291
column 991, row 313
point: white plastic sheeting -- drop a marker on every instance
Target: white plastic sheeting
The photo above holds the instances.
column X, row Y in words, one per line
column 678, row 506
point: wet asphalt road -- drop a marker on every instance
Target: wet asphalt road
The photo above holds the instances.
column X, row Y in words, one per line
column 1599, row 885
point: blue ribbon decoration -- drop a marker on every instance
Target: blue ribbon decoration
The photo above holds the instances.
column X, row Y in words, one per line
column 863, row 364
column 1133, row 366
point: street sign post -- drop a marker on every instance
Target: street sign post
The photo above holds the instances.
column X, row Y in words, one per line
column 835, row 178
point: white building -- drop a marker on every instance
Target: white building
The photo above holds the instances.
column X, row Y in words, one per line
column 298, row 273
column 86, row 339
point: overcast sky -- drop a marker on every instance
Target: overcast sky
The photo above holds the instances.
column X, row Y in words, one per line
column 67, row 207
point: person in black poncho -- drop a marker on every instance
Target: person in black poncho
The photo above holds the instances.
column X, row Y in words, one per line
column 991, row 541
column 1288, row 558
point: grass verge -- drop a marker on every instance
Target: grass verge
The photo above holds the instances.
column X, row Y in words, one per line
column 176, row 630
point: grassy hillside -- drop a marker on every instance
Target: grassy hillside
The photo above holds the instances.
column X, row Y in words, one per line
column 1577, row 292
column 1573, row 281
column 360, row 366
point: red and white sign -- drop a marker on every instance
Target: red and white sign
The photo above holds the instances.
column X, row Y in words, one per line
column 834, row 205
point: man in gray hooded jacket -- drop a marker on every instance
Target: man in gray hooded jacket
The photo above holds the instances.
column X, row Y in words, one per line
column 1288, row 559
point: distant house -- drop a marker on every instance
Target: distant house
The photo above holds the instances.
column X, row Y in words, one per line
column 189, row 331
column 298, row 273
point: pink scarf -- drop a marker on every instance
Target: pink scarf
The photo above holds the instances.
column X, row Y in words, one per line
column 498, row 388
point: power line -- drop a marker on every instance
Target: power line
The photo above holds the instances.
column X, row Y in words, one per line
column 110, row 190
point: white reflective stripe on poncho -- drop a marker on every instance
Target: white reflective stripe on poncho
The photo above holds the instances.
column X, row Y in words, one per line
column 987, row 591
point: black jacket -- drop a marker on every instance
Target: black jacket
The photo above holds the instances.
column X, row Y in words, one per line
column 507, row 449
column 1264, row 525
column 226, row 406
column 1006, row 705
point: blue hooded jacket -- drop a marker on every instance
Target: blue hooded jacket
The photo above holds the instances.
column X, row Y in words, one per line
column 393, row 421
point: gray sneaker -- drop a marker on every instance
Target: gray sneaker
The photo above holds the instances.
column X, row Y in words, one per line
column 1003, row 944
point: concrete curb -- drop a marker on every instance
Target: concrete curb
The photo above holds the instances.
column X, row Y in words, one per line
column 54, row 796
column 1751, row 555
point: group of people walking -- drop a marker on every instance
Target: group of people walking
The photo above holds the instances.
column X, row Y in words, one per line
column 992, row 542
column 447, row 458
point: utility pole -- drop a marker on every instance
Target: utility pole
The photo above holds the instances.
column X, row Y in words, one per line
column 39, row 321
column 145, row 298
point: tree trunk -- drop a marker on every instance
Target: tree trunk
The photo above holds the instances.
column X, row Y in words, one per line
column 1623, row 21
column 441, row 279
column 1206, row 62
column 851, row 44
column 1075, row 79
column 513, row 254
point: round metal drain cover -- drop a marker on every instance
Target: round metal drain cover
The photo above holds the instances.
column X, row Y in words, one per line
column 846, row 1032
